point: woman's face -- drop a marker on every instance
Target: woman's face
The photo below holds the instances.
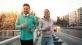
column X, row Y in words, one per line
column 46, row 13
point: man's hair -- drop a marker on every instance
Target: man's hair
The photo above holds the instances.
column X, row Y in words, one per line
column 25, row 4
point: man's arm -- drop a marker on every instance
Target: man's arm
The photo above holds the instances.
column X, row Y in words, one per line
column 17, row 24
column 34, row 23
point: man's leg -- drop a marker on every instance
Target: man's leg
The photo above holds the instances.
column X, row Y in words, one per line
column 30, row 42
column 26, row 42
column 23, row 42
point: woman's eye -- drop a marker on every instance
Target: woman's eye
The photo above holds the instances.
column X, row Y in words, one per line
column 46, row 12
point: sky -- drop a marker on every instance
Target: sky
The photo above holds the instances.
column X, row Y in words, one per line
column 56, row 7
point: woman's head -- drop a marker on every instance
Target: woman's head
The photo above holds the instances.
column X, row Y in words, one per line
column 46, row 13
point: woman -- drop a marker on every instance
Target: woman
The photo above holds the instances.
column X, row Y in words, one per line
column 46, row 27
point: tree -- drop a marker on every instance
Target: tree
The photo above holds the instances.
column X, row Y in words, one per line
column 34, row 14
column 8, row 20
column 61, row 22
column 2, row 17
column 58, row 20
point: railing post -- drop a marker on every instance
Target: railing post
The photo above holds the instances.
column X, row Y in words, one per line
column 7, row 34
column 2, row 34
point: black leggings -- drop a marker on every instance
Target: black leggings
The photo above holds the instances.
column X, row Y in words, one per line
column 26, row 42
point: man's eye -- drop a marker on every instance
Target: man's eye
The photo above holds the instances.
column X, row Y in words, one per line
column 46, row 12
column 25, row 9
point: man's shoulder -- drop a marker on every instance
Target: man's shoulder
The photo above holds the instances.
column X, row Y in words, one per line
column 19, row 16
column 32, row 16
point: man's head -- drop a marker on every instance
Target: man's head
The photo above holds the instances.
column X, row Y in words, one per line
column 26, row 8
column 46, row 13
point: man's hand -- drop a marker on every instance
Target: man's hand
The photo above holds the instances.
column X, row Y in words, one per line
column 48, row 27
column 24, row 25
column 31, row 30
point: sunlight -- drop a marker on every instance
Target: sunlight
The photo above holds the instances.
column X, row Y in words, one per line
column 56, row 7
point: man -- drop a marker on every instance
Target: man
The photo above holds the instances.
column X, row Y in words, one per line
column 26, row 23
column 46, row 27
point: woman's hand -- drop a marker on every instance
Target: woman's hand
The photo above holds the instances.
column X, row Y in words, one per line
column 55, row 30
column 48, row 27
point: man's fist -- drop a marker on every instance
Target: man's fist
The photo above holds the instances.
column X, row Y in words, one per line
column 24, row 25
column 31, row 30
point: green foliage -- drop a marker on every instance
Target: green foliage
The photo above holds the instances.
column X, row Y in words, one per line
column 62, row 22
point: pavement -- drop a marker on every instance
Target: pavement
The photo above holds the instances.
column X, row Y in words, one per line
column 69, row 39
column 39, row 41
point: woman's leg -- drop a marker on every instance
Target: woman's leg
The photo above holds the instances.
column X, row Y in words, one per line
column 43, row 41
column 50, row 41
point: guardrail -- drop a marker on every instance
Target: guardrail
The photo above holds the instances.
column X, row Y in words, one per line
column 76, row 27
column 12, row 41
column 15, row 39
column 8, row 33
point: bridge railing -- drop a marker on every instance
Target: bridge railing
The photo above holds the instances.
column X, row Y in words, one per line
column 12, row 41
column 8, row 33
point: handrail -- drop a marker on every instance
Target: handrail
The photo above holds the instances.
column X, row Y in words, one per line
column 10, row 41
column 15, row 40
column 8, row 33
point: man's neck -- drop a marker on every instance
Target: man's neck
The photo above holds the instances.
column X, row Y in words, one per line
column 25, row 14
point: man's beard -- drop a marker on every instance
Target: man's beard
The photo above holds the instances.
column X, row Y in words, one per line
column 26, row 12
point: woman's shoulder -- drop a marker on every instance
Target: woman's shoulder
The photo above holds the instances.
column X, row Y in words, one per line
column 40, row 20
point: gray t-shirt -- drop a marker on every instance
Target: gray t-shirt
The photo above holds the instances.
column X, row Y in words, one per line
column 42, row 27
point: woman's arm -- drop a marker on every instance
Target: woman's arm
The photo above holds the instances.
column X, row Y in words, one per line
column 40, row 26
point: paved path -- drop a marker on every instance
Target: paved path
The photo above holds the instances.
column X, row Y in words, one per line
column 39, row 41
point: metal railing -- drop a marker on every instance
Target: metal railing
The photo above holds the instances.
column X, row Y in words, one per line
column 12, row 41
column 15, row 39
column 8, row 33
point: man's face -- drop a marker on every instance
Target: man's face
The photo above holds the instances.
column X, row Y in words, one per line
column 26, row 9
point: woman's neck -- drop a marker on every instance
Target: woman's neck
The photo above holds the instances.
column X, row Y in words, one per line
column 46, row 18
